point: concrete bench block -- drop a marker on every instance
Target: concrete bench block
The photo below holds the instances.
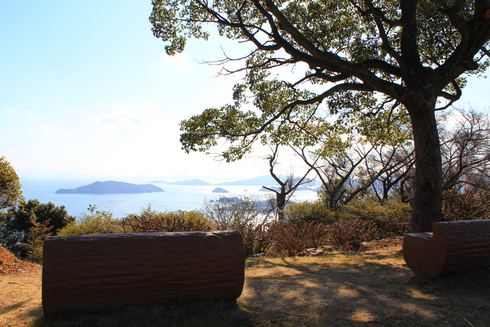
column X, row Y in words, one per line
column 102, row 271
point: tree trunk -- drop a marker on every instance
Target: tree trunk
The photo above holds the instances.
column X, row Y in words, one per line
column 281, row 204
column 427, row 202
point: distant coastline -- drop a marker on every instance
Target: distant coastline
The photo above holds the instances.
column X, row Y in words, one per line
column 254, row 181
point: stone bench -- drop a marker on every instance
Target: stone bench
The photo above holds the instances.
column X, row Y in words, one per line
column 454, row 246
column 105, row 271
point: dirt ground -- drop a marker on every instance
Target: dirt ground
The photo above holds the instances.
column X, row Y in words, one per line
column 20, row 298
column 370, row 289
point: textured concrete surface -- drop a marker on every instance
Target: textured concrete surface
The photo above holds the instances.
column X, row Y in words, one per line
column 98, row 272
column 454, row 246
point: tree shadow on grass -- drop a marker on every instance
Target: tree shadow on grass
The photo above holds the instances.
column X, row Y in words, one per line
column 363, row 293
column 343, row 290
column 186, row 315
column 12, row 307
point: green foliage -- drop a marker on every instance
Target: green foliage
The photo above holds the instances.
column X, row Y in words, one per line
column 33, row 213
column 26, row 226
column 36, row 237
column 147, row 221
column 369, row 64
column 93, row 222
column 309, row 211
column 345, row 228
column 180, row 221
column 338, row 41
column 12, row 239
column 368, row 208
column 336, row 26
column 10, row 189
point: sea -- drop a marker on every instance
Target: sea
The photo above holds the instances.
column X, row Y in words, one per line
column 174, row 197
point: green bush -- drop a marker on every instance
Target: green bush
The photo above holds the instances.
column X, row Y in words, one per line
column 93, row 223
column 33, row 213
column 179, row 221
column 11, row 239
column 25, row 227
column 309, row 211
column 391, row 217
column 393, row 209
column 345, row 228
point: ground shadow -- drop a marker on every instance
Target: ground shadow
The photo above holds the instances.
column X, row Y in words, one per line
column 12, row 307
column 372, row 289
column 375, row 290
column 186, row 315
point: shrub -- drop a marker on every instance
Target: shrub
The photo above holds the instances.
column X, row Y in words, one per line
column 309, row 211
column 92, row 223
column 37, row 235
column 12, row 240
column 393, row 209
column 26, row 245
column 34, row 213
column 348, row 234
column 180, row 221
column 391, row 218
column 290, row 239
column 244, row 216
column 26, row 226
column 472, row 203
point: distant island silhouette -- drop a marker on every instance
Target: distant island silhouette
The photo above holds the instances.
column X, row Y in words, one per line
column 220, row 190
column 111, row 187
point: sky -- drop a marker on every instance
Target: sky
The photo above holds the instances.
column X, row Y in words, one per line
column 86, row 91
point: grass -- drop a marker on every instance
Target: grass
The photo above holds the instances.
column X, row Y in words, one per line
column 370, row 289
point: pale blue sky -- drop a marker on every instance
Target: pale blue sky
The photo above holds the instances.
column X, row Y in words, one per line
column 87, row 91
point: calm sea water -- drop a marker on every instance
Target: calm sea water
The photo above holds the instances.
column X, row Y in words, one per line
column 175, row 197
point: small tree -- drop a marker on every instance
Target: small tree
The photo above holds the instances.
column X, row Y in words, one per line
column 466, row 149
column 32, row 213
column 287, row 187
column 10, row 190
column 391, row 167
column 339, row 176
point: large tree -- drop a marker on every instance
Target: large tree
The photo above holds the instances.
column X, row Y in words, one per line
column 351, row 55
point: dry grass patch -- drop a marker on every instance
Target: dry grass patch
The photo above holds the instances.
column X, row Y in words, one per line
column 20, row 297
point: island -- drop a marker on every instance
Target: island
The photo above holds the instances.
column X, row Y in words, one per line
column 220, row 190
column 111, row 187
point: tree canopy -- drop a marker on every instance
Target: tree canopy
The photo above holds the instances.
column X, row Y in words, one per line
column 353, row 59
column 10, row 190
